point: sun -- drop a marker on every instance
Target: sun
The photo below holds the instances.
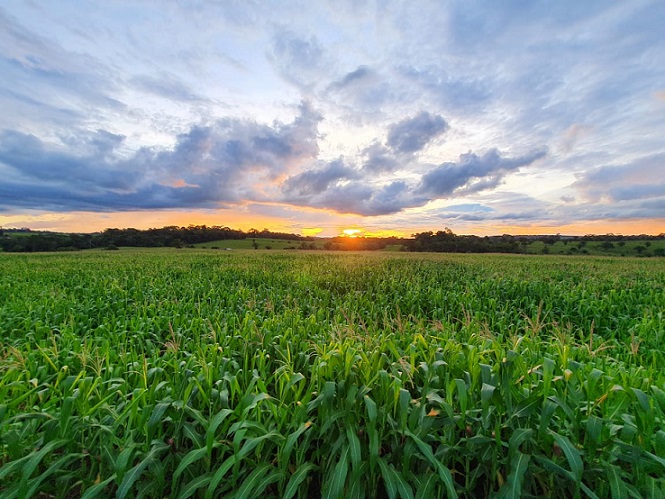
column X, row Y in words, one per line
column 351, row 232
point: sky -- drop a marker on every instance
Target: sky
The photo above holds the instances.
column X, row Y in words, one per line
column 386, row 117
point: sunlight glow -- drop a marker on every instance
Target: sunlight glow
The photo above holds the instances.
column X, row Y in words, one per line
column 351, row 232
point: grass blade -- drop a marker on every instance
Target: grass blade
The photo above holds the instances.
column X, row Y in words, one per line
column 134, row 474
column 572, row 455
column 334, row 488
column 296, row 479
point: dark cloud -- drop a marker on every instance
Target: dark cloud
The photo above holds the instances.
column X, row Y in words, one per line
column 640, row 179
column 364, row 199
column 617, row 210
column 208, row 165
column 364, row 94
column 379, row 159
column 392, row 198
column 97, row 143
column 299, row 59
column 496, row 207
column 472, row 173
column 638, row 191
column 316, row 181
column 32, row 160
column 347, row 190
column 413, row 134
column 362, row 73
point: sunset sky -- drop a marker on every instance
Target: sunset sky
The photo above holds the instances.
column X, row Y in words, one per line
column 384, row 117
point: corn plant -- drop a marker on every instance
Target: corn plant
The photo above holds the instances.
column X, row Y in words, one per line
column 156, row 373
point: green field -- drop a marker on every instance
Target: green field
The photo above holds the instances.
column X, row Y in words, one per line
column 260, row 242
column 601, row 248
column 206, row 373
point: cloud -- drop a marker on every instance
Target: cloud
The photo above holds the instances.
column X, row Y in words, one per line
column 102, row 112
column 379, row 159
column 366, row 94
column 572, row 135
column 299, row 59
column 364, row 199
column 31, row 61
column 316, row 181
column 369, row 187
column 472, row 173
column 413, row 134
column 361, row 74
column 516, row 208
column 456, row 93
column 391, row 198
column 496, row 207
column 31, row 160
column 640, row 179
column 346, row 189
column 224, row 162
column 165, row 85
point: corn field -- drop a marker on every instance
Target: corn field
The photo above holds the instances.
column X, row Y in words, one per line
column 195, row 373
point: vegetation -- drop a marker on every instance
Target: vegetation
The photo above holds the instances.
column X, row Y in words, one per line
column 160, row 373
column 172, row 236
column 261, row 243
column 606, row 245
column 24, row 240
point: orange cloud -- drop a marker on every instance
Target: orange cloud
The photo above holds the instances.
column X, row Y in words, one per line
column 178, row 183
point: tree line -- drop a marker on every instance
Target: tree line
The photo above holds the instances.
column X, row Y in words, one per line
column 448, row 242
column 171, row 236
column 24, row 240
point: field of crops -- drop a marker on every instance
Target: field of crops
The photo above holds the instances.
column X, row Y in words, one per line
column 201, row 373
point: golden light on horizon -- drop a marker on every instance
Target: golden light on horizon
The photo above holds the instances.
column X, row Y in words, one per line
column 351, row 232
column 311, row 231
column 329, row 226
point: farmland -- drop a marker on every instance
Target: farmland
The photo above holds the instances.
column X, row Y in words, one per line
column 261, row 243
column 202, row 373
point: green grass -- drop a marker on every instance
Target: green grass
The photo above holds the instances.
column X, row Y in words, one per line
column 202, row 373
column 248, row 244
column 596, row 248
column 394, row 247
